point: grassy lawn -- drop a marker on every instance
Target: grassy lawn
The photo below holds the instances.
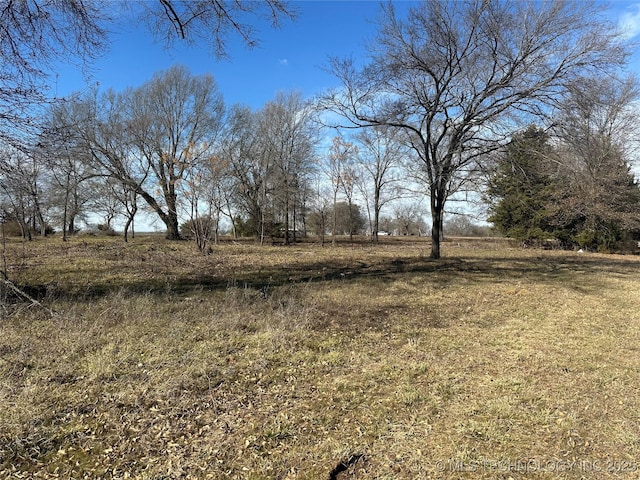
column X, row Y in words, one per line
column 314, row 363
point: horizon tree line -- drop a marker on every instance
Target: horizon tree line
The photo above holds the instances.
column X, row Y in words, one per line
column 446, row 89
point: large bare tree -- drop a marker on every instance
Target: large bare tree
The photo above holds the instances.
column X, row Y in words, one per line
column 597, row 136
column 168, row 126
column 454, row 77
column 174, row 122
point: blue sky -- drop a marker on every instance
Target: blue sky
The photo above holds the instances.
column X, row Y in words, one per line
column 288, row 58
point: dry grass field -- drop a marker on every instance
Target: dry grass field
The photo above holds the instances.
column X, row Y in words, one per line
column 347, row 362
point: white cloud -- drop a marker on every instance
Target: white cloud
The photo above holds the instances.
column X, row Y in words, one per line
column 629, row 22
column 284, row 62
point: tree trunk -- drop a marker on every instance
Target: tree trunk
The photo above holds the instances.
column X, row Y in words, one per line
column 376, row 214
column 126, row 229
column 40, row 217
column 65, row 212
column 350, row 222
column 293, row 220
column 171, row 221
column 71, row 230
column 216, row 231
column 335, row 218
column 287, row 240
column 170, row 218
column 173, row 227
column 437, row 210
column 131, row 214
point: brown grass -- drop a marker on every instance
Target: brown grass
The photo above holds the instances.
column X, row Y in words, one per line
column 307, row 362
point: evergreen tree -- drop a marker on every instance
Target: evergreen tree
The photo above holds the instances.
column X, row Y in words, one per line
column 520, row 188
column 580, row 193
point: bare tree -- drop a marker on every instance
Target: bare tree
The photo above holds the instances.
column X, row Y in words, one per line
column 597, row 108
column 409, row 219
column 98, row 126
column 36, row 34
column 379, row 159
column 597, row 132
column 114, row 198
column 128, row 196
column 208, row 194
column 33, row 36
column 455, row 76
column 288, row 136
column 319, row 206
column 338, row 168
column 149, row 138
column 174, row 121
column 239, row 147
column 22, row 191
column 68, row 162
column 70, row 188
column 213, row 21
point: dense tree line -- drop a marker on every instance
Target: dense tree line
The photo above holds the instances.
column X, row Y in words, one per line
column 174, row 147
column 440, row 102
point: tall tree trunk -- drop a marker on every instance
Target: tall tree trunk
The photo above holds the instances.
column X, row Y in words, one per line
column 376, row 214
column 65, row 211
column 71, row 228
column 350, row 219
column 335, row 218
column 294, row 220
column 39, row 216
column 126, row 229
column 131, row 214
column 286, row 215
column 173, row 226
column 437, row 212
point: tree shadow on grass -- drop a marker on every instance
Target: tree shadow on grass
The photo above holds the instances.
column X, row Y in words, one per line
column 569, row 270
column 588, row 274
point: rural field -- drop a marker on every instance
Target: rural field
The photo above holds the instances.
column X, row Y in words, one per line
column 147, row 360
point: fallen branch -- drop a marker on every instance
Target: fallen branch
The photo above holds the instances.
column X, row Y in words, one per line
column 23, row 294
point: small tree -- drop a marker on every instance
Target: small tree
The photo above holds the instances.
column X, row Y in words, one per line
column 319, row 206
column 379, row 158
column 288, row 137
column 23, row 191
column 408, row 219
column 461, row 225
column 339, row 170
column 348, row 219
